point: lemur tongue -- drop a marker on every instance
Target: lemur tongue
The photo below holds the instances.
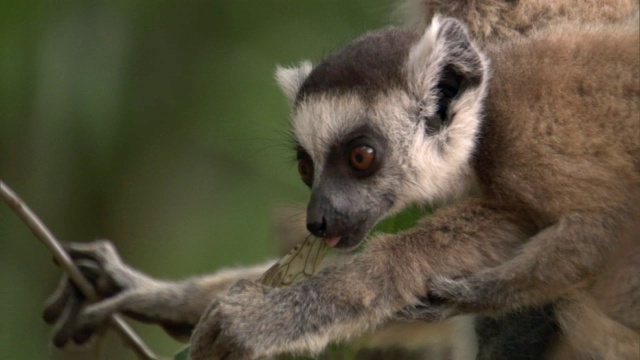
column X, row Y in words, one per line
column 332, row 242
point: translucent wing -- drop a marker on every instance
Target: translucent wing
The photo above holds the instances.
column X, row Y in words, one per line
column 299, row 263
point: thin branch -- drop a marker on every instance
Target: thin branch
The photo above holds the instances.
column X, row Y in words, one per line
column 42, row 233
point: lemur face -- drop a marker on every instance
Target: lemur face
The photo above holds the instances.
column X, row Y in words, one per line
column 389, row 120
column 354, row 165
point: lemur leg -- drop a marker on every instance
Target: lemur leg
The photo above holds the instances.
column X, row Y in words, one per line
column 253, row 321
column 176, row 306
column 594, row 335
column 556, row 259
column 604, row 321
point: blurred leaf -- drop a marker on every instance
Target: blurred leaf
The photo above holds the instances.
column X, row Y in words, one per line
column 404, row 220
column 156, row 125
column 183, row 354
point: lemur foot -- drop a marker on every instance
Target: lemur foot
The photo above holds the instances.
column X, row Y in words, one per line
column 119, row 289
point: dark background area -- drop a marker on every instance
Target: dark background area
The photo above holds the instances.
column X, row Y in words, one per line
column 155, row 124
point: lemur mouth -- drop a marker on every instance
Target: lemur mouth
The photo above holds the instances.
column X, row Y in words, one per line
column 348, row 240
column 332, row 242
column 345, row 242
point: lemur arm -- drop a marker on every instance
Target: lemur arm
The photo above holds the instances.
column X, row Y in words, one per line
column 552, row 262
column 176, row 306
column 254, row 321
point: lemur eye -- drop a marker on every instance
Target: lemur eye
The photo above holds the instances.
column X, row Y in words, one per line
column 305, row 169
column 362, row 157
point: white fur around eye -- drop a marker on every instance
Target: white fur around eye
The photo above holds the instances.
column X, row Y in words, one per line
column 321, row 120
column 419, row 166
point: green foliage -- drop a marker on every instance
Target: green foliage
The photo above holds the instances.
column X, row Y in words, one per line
column 183, row 354
column 404, row 220
column 156, row 124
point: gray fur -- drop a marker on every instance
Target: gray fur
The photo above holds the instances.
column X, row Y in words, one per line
column 176, row 306
column 526, row 147
column 360, row 68
column 348, row 204
column 553, row 197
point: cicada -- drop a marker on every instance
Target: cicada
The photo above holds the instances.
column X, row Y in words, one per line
column 298, row 264
column 305, row 258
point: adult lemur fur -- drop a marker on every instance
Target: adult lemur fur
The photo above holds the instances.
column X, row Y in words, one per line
column 541, row 125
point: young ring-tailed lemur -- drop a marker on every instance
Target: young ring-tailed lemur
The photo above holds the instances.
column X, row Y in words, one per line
column 544, row 127
column 396, row 118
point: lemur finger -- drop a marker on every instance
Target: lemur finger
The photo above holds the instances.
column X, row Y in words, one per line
column 65, row 325
column 152, row 304
column 206, row 336
column 90, row 320
column 110, row 273
column 426, row 312
column 458, row 292
column 90, row 269
column 103, row 283
column 55, row 305
column 95, row 315
column 82, row 336
column 101, row 251
column 429, row 309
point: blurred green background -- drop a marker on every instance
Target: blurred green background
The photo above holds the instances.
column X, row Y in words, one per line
column 155, row 124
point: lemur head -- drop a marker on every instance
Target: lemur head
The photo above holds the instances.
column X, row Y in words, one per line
column 389, row 120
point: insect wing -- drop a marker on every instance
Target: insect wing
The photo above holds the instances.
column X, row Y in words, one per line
column 298, row 264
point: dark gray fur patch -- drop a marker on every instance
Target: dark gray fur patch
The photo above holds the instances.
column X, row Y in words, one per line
column 520, row 335
column 370, row 64
column 460, row 53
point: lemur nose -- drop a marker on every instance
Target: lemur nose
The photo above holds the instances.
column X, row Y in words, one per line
column 318, row 228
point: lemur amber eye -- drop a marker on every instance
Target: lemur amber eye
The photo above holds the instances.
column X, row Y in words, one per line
column 305, row 169
column 362, row 157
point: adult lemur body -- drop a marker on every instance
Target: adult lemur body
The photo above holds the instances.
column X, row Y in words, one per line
column 543, row 129
column 490, row 21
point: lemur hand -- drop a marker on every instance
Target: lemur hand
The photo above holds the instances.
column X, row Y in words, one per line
column 251, row 321
column 462, row 294
column 120, row 289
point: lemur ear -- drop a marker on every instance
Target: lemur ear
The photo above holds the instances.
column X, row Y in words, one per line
column 444, row 51
column 290, row 79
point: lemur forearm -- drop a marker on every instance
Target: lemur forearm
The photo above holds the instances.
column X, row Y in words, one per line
column 460, row 239
column 198, row 292
column 175, row 305
column 392, row 272
column 576, row 247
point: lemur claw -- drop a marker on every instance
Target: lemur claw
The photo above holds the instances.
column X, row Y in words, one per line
column 226, row 330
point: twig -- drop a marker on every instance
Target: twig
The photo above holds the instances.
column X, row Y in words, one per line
column 128, row 336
